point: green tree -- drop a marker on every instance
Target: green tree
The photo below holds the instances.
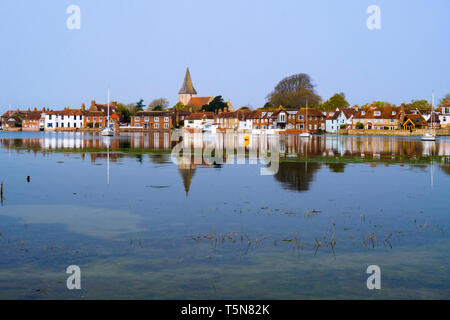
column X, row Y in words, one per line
column 336, row 101
column 180, row 106
column 445, row 99
column 125, row 112
column 419, row 104
column 215, row 105
column 140, row 105
column 295, row 91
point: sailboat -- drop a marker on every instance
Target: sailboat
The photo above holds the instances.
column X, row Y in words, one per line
column 430, row 136
column 306, row 134
column 108, row 131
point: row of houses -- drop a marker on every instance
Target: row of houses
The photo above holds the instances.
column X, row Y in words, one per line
column 312, row 120
column 67, row 119
column 387, row 118
column 279, row 120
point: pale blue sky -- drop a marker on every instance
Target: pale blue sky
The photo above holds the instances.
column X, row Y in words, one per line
column 239, row 49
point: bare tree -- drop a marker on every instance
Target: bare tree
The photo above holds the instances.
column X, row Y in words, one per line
column 158, row 104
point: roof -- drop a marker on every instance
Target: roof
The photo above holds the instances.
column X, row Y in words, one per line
column 227, row 115
column 348, row 112
column 34, row 115
column 153, row 114
column 188, row 87
column 200, row 116
column 378, row 113
column 199, row 102
column 417, row 119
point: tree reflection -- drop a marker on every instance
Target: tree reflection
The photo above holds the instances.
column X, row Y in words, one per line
column 297, row 176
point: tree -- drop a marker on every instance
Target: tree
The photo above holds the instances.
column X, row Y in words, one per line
column 445, row 99
column 160, row 104
column 180, row 106
column 336, row 101
column 140, row 105
column 295, row 91
column 419, row 104
column 125, row 112
column 215, row 105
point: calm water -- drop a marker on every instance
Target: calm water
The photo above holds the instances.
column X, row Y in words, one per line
column 141, row 226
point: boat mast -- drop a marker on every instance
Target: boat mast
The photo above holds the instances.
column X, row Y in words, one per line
column 108, row 109
column 307, row 130
column 432, row 105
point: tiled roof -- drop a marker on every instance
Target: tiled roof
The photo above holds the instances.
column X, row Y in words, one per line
column 199, row 102
column 33, row 115
column 201, row 115
column 153, row 114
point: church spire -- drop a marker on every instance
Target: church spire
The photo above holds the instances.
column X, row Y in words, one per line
column 188, row 87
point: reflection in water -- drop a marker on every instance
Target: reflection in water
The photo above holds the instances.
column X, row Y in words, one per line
column 292, row 145
column 297, row 176
column 298, row 157
column 231, row 238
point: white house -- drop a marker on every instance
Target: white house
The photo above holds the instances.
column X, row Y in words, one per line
column 444, row 116
column 198, row 120
column 62, row 119
column 339, row 117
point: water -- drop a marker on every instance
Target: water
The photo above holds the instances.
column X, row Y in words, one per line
column 142, row 227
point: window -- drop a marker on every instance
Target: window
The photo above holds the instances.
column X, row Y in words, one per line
column 62, row 117
column 156, row 119
column 300, row 118
column 95, row 119
column 394, row 113
column 136, row 119
column 156, row 125
column 376, row 113
column 282, row 117
column 49, row 125
column 81, row 117
column 146, row 119
column 166, row 119
column 166, row 125
column 50, row 117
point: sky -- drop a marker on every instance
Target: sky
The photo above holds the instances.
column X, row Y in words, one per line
column 239, row 49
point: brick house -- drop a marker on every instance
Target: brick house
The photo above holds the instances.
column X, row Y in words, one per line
column 153, row 120
column 33, row 121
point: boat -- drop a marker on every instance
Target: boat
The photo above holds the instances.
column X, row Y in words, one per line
column 306, row 134
column 108, row 131
column 430, row 136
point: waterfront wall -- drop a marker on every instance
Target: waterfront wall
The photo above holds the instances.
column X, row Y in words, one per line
column 401, row 133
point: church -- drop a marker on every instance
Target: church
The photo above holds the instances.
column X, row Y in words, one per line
column 188, row 95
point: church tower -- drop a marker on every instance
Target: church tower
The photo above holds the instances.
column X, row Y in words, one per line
column 187, row 91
